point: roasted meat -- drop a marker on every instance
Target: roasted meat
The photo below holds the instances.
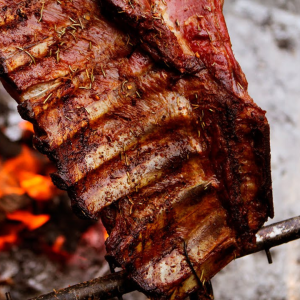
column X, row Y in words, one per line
column 174, row 158
column 186, row 34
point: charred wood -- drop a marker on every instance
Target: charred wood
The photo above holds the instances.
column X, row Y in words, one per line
column 12, row 202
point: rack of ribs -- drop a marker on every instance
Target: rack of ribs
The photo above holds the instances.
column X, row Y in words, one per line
column 174, row 157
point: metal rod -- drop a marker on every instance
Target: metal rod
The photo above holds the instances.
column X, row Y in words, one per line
column 117, row 284
column 269, row 256
column 275, row 234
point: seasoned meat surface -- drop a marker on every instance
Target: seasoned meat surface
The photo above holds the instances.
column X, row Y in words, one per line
column 174, row 158
column 188, row 35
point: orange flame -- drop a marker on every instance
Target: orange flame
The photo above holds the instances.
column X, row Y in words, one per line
column 37, row 186
column 24, row 161
column 28, row 219
column 59, row 242
column 10, row 238
column 24, row 125
column 105, row 234
column 19, row 175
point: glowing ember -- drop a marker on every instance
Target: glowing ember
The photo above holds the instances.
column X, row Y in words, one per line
column 105, row 234
column 8, row 239
column 25, row 161
column 24, row 125
column 37, row 186
column 31, row 221
column 59, row 242
column 8, row 184
column 19, row 176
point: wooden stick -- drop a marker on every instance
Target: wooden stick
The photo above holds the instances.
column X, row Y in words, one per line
column 112, row 285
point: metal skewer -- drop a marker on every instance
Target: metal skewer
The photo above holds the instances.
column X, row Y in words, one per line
column 275, row 234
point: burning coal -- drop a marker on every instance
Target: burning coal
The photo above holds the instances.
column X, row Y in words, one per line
column 38, row 228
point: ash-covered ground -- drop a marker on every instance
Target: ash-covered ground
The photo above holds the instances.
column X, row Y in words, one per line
column 266, row 40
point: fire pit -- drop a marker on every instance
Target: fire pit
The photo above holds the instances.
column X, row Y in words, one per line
column 42, row 243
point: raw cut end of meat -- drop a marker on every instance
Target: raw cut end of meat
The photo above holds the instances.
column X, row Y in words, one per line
column 186, row 34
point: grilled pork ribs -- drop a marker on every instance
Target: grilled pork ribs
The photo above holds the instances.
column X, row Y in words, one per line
column 174, row 157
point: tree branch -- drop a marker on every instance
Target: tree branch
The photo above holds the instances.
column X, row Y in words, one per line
column 112, row 285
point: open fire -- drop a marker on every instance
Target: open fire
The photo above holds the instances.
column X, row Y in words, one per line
column 38, row 228
column 43, row 245
column 26, row 178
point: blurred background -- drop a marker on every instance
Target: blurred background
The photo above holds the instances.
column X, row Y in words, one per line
column 44, row 246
